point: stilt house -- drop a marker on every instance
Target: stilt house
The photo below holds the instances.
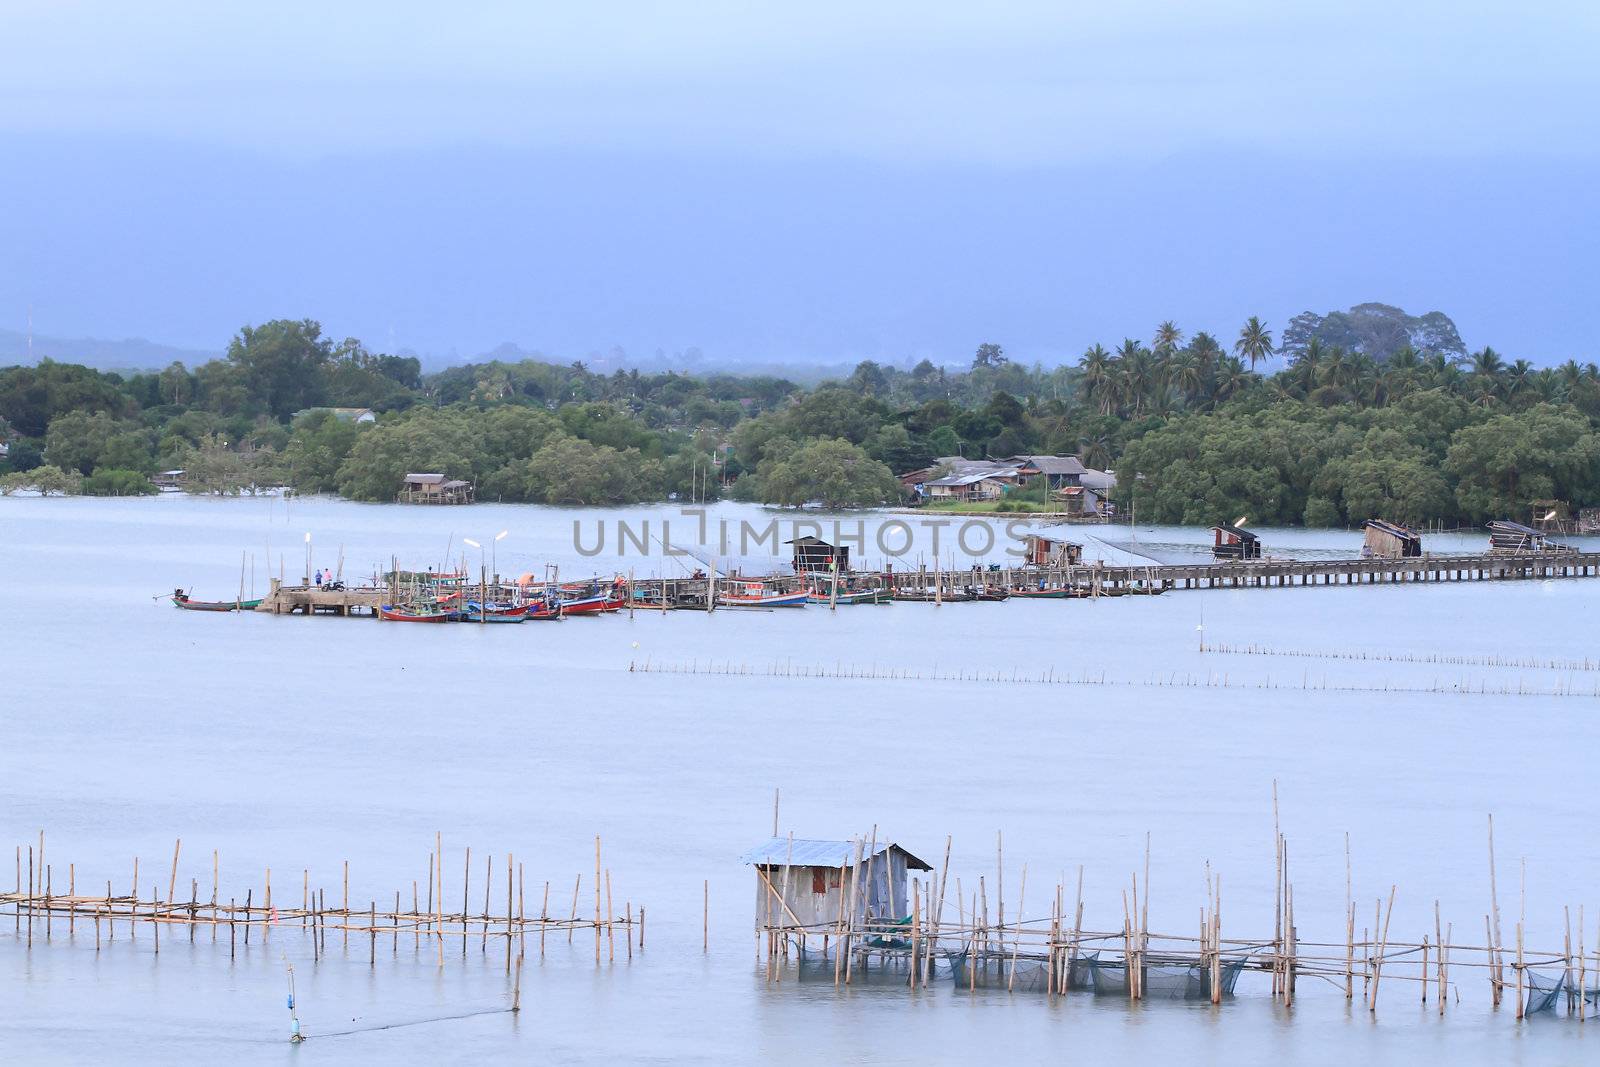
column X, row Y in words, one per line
column 817, row 883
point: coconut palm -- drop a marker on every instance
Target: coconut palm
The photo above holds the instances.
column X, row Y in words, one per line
column 1095, row 451
column 1184, row 372
column 1308, row 365
column 1254, row 343
column 1231, row 378
column 1096, row 367
column 1206, row 352
column 1487, row 363
column 1167, row 338
column 1518, row 377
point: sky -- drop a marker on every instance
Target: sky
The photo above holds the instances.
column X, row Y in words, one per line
column 822, row 182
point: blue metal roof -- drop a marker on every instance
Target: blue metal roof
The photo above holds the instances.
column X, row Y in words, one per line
column 811, row 853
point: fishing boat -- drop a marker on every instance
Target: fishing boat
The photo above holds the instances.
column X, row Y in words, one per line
column 597, row 604
column 475, row 612
column 929, row 596
column 183, row 600
column 543, row 611
column 822, row 595
column 391, row 613
column 757, row 595
column 1041, row 594
column 988, row 593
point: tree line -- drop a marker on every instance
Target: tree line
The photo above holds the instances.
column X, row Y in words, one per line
column 1194, row 426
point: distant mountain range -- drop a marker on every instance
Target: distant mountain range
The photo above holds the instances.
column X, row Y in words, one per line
column 132, row 354
column 138, row 354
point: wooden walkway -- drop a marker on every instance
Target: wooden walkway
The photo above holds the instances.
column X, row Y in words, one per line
column 1078, row 581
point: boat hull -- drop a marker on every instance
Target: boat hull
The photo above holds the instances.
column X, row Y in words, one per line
column 780, row 600
column 393, row 614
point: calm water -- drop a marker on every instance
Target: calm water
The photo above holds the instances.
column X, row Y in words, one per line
column 297, row 743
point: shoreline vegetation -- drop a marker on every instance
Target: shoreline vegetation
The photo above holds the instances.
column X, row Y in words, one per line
column 1375, row 414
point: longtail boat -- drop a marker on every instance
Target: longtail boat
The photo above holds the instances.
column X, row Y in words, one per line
column 390, row 613
column 591, row 605
column 757, row 595
column 820, row 595
column 183, row 600
column 1041, row 594
column 475, row 612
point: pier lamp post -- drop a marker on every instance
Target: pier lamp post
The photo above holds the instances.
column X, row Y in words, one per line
column 494, row 560
column 308, row 559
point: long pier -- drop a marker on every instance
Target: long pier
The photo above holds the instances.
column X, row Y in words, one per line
column 979, row 582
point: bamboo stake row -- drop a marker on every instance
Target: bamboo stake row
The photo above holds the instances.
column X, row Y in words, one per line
column 35, row 903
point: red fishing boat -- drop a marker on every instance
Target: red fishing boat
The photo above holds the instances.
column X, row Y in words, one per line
column 597, row 604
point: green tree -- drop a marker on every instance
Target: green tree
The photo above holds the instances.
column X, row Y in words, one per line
column 567, row 470
column 45, row 480
column 283, row 363
column 1545, row 453
column 76, row 440
column 832, row 472
column 108, row 481
column 990, row 355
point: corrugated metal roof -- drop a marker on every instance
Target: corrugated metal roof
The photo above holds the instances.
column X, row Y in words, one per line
column 1054, row 464
column 812, row 853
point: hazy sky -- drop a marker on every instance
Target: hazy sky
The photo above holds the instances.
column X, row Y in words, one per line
column 827, row 181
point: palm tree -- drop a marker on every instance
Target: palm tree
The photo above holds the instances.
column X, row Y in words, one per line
column 1488, row 363
column 1308, row 365
column 1231, row 377
column 1096, row 367
column 1518, row 377
column 1167, row 338
column 1095, row 451
column 1255, row 341
column 1133, row 373
column 1184, row 372
column 1335, row 368
column 1206, row 352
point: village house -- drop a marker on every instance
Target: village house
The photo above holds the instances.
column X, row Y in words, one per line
column 1058, row 472
column 808, row 884
column 434, row 489
column 979, row 485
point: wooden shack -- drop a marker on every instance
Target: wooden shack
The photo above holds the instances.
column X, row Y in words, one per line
column 1515, row 538
column 1044, row 551
column 1231, row 542
column 434, row 489
column 1388, row 540
column 813, row 555
column 809, row 883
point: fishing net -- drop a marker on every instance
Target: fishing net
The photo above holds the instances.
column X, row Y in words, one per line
column 1549, row 993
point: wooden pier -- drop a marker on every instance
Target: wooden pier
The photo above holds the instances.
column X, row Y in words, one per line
column 314, row 600
column 986, row 583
